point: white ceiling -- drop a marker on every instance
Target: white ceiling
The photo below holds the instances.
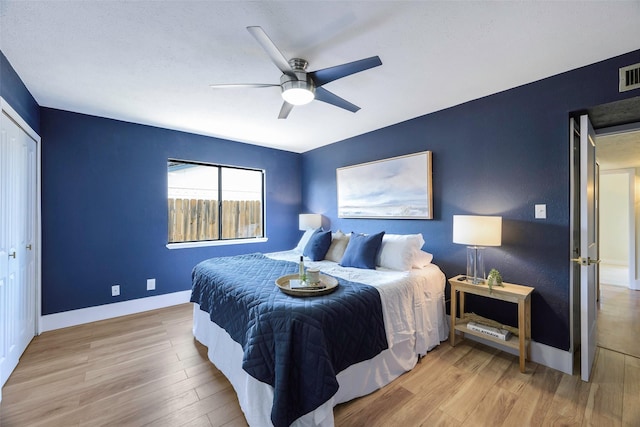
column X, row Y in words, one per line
column 151, row 62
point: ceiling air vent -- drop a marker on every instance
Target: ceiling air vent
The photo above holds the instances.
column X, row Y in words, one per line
column 630, row 77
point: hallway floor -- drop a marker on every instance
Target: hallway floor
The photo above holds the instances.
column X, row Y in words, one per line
column 619, row 319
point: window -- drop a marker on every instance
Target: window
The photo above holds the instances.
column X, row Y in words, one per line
column 214, row 203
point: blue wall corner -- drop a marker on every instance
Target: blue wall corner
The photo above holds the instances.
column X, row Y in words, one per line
column 13, row 90
column 104, row 207
column 499, row 155
column 104, row 191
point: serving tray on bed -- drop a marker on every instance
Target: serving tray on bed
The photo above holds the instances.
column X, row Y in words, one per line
column 326, row 285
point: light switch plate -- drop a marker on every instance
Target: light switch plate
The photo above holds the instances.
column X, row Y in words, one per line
column 541, row 211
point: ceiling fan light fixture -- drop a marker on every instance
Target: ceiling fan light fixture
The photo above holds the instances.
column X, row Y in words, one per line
column 298, row 92
column 298, row 87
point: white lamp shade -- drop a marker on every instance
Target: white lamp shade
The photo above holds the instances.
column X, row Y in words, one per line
column 309, row 221
column 475, row 230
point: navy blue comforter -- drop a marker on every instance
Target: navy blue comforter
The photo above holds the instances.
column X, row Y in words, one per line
column 297, row 345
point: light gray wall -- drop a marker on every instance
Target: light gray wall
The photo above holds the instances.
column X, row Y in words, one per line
column 614, row 218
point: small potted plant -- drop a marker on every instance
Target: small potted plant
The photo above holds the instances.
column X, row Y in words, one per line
column 494, row 279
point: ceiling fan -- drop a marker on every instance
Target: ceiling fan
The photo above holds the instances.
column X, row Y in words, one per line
column 299, row 86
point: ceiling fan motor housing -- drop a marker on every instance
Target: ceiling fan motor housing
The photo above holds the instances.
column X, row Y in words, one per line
column 297, row 87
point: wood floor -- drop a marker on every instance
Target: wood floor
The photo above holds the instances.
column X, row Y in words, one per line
column 619, row 319
column 146, row 369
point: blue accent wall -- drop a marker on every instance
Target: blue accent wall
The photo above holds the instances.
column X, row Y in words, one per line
column 104, row 191
column 13, row 90
column 499, row 155
column 104, row 207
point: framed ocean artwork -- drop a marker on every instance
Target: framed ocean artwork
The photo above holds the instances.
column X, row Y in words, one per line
column 398, row 187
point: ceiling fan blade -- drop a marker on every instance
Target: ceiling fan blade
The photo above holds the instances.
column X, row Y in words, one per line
column 285, row 110
column 242, row 85
column 272, row 50
column 330, row 98
column 326, row 75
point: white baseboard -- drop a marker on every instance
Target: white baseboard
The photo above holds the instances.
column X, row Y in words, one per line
column 540, row 353
column 552, row 357
column 65, row 319
column 615, row 274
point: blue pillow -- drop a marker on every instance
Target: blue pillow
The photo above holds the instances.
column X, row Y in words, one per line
column 305, row 239
column 362, row 251
column 318, row 246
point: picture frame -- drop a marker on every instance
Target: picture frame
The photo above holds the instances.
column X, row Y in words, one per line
column 395, row 188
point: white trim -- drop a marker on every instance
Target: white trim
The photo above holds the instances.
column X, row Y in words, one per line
column 634, row 216
column 552, row 357
column 13, row 115
column 38, row 236
column 108, row 311
column 19, row 120
column 631, row 174
column 540, row 353
column 617, row 275
column 215, row 243
column 574, row 296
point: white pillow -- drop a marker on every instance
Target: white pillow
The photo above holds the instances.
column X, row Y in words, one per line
column 422, row 259
column 305, row 239
column 339, row 242
column 398, row 251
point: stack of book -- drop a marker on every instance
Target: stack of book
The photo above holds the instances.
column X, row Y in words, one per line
column 501, row 334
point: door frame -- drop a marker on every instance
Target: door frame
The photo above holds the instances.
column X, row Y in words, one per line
column 577, row 302
column 574, row 242
column 634, row 216
column 629, row 176
column 13, row 115
column 589, row 246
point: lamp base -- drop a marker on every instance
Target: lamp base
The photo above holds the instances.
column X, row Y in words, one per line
column 475, row 264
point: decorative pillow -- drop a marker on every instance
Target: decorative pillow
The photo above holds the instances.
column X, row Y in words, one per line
column 305, row 239
column 422, row 259
column 339, row 242
column 398, row 251
column 362, row 251
column 318, row 246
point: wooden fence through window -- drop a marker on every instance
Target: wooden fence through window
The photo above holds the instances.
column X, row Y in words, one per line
column 197, row 219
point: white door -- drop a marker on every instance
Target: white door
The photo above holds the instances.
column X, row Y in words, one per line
column 17, row 229
column 588, row 257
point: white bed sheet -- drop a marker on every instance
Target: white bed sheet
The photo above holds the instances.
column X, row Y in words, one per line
column 414, row 316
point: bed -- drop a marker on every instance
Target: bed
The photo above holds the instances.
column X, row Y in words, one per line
column 292, row 375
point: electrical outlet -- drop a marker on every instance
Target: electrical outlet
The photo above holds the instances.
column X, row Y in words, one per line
column 115, row 290
column 151, row 284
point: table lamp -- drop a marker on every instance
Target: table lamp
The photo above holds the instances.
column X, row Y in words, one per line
column 477, row 232
column 309, row 221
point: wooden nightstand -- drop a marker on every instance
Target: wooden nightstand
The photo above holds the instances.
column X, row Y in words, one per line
column 517, row 294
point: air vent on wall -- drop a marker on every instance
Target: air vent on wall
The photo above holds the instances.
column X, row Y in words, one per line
column 630, row 77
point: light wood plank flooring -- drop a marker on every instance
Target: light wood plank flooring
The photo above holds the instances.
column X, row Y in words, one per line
column 619, row 319
column 146, row 369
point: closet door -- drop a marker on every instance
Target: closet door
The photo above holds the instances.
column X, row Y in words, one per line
column 17, row 267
